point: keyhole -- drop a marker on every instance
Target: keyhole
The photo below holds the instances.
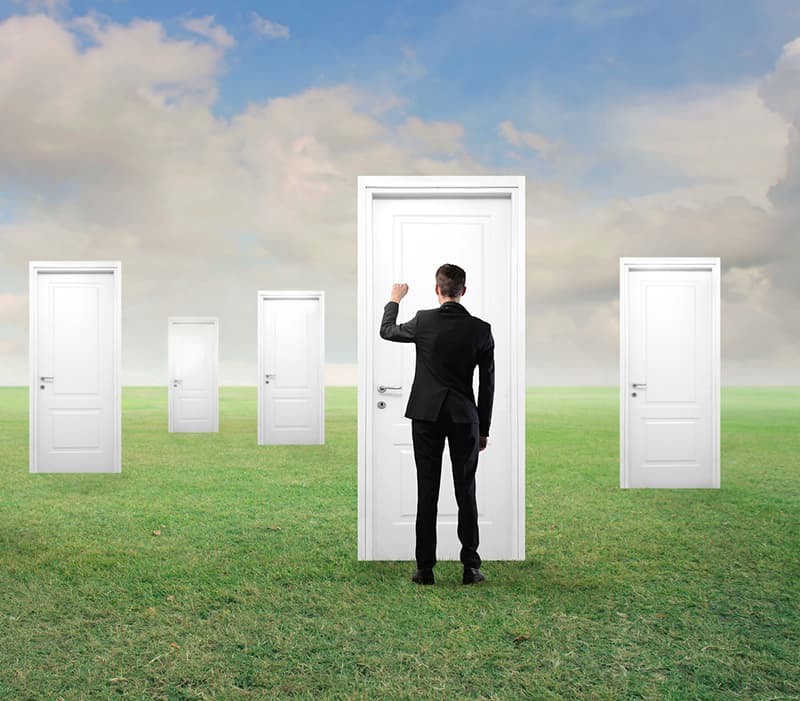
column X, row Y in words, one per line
column 381, row 404
column 633, row 394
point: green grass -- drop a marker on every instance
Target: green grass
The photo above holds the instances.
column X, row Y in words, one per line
column 252, row 589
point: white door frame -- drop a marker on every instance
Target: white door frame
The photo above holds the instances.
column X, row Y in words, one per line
column 369, row 187
column 213, row 320
column 627, row 265
column 63, row 266
column 290, row 294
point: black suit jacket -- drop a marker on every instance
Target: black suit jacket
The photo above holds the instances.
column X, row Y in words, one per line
column 450, row 343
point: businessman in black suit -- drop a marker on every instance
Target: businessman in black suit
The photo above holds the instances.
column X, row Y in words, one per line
column 450, row 342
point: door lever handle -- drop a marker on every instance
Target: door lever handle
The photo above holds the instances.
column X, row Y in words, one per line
column 639, row 385
column 383, row 388
column 46, row 378
column 269, row 374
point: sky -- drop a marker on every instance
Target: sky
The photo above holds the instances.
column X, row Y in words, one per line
column 213, row 148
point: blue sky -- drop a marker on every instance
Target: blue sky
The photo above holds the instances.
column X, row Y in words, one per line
column 575, row 50
column 643, row 128
column 548, row 65
column 477, row 58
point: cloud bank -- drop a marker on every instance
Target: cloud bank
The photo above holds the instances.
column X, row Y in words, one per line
column 110, row 148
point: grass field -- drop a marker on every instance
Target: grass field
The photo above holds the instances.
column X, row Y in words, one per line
column 252, row 589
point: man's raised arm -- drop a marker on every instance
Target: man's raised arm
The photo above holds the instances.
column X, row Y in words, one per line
column 391, row 331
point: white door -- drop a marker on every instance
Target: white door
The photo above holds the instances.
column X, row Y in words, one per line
column 193, row 359
column 75, row 351
column 670, row 373
column 406, row 233
column 290, row 368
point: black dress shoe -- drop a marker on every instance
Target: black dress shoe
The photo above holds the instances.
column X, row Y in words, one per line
column 422, row 577
column 472, row 575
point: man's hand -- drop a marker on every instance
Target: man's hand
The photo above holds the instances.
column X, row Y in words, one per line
column 483, row 442
column 399, row 290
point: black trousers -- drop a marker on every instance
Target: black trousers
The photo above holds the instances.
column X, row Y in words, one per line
column 463, row 441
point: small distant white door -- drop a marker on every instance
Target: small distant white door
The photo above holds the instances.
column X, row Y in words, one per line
column 669, row 374
column 408, row 227
column 291, row 351
column 74, row 362
column 193, row 352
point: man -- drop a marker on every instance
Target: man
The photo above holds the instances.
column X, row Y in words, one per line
column 449, row 344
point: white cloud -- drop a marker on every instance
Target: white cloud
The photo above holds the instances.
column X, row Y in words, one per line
column 89, row 25
column 411, row 66
column 116, row 154
column 268, row 28
column 717, row 141
column 759, row 329
column 781, row 89
column 13, row 307
column 204, row 26
column 738, row 176
column 434, row 137
column 781, row 93
column 49, row 7
column 528, row 139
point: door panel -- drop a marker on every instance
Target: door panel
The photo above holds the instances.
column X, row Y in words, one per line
column 670, row 331
column 193, row 375
column 411, row 237
column 290, row 368
column 74, row 371
column 75, row 327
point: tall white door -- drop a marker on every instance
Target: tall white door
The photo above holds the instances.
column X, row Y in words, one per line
column 406, row 234
column 74, row 386
column 290, row 368
column 193, row 359
column 669, row 380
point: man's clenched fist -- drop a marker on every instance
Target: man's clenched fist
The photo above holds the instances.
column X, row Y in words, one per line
column 399, row 290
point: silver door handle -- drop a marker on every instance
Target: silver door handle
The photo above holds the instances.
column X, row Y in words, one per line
column 48, row 378
column 269, row 374
column 383, row 388
column 639, row 385
column 178, row 382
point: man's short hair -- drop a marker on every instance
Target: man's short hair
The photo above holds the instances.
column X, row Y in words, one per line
column 451, row 280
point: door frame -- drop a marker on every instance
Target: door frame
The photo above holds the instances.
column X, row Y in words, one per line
column 35, row 267
column 264, row 295
column 500, row 186
column 626, row 266
column 193, row 320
